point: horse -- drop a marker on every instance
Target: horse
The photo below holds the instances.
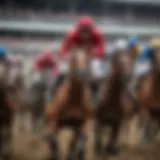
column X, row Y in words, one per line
column 39, row 92
column 114, row 100
column 17, row 83
column 72, row 105
column 6, row 110
column 149, row 94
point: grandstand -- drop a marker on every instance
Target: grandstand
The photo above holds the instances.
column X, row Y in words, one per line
column 46, row 23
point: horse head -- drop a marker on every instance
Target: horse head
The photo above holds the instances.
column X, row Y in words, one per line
column 123, row 63
column 79, row 65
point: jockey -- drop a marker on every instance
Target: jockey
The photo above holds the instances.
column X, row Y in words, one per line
column 143, row 64
column 45, row 61
column 142, row 68
column 133, row 46
column 146, row 54
column 84, row 35
column 147, row 51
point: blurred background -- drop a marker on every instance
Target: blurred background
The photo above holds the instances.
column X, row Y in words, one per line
column 27, row 27
column 38, row 25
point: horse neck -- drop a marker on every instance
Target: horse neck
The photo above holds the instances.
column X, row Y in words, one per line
column 75, row 90
column 115, row 84
column 155, row 79
column 75, row 85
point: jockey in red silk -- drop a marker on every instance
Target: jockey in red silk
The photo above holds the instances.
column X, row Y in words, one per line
column 84, row 35
column 46, row 61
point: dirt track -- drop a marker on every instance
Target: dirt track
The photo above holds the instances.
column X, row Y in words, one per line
column 27, row 146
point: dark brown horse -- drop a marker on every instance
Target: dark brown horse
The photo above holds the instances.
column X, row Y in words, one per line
column 72, row 103
column 6, row 110
column 150, row 96
column 114, row 99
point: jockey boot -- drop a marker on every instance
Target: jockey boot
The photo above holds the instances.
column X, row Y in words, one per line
column 81, row 146
column 53, row 148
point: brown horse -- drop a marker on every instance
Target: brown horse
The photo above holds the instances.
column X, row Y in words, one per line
column 150, row 96
column 114, row 99
column 6, row 110
column 72, row 103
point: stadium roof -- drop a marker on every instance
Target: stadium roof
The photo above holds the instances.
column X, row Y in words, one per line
column 61, row 28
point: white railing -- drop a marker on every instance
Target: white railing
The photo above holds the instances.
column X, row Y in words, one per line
column 62, row 28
